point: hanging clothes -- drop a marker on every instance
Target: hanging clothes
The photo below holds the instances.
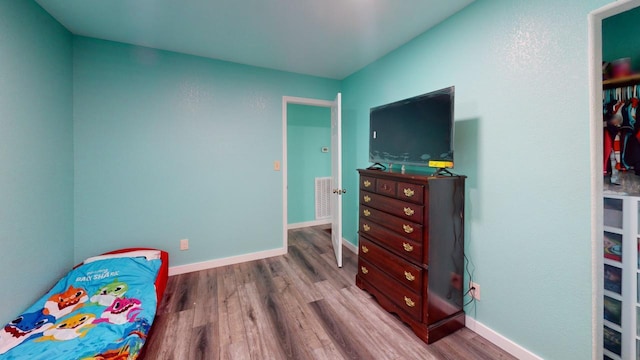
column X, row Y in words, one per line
column 621, row 130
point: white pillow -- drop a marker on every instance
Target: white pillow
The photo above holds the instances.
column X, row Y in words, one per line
column 148, row 254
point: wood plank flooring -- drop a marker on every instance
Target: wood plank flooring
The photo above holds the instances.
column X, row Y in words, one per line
column 297, row 306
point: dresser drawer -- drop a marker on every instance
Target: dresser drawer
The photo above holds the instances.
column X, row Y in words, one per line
column 402, row 246
column 411, row 192
column 399, row 269
column 404, row 298
column 403, row 227
column 395, row 207
column 386, row 187
column 367, row 183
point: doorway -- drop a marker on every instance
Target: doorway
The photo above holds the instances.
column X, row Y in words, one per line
column 595, row 20
column 335, row 165
column 308, row 165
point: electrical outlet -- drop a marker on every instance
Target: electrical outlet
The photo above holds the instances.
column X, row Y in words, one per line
column 184, row 244
column 474, row 290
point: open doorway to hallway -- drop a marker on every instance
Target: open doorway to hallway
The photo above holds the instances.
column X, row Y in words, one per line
column 309, row 165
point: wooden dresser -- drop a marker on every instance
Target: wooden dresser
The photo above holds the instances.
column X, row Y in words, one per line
column 411, row 255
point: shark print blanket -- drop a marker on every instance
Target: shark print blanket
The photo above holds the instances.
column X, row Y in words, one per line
column 100, row 310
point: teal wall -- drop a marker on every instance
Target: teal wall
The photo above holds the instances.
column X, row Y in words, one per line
column 36, row 154
column 522, row 138
column 621, row 37
column 171, row 146
column 308, row 130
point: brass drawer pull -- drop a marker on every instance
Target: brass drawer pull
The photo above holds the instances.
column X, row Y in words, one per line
column 409, row 276
column 364, row 270
column 407, row 247
column 408, row 192
column 366, row 212
column 409, row 211
column 407, row 228
column 365, row 249
column 367, row 183
column 366, row 227
column 409, row 302
column 367, row 198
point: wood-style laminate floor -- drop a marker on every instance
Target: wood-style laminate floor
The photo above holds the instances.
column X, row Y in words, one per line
column 296, row 306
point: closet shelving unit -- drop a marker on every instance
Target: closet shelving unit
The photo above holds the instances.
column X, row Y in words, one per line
column 621, row 240
column 621, row 82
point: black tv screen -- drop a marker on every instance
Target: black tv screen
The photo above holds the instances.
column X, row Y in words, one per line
column 415, row 131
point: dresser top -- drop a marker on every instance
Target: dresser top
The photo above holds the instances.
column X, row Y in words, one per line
column 397, row 175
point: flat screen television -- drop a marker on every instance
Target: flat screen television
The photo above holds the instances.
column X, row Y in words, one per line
column 415, row 131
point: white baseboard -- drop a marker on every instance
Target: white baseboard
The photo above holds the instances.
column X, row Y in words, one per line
column 308, row 223
column 210, row 264
column 350, row 246
column 499, row 340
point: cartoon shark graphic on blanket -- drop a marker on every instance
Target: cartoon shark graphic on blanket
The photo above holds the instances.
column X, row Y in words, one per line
column 62, row 304
column 121, row 311
column 25, row 326
column 108, row 293
column 70, row 328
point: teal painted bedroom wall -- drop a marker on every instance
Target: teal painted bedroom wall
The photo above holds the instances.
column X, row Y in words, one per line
column 36, row 154
column 171, row 146
column 620, row 37
column 522, row 137
column 308, row 130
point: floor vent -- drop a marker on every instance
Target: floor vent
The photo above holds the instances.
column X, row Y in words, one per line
column 323, row 198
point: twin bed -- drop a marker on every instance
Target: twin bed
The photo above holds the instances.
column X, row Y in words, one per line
column 102, row 309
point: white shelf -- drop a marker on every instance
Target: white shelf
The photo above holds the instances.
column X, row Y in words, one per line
column 613, row 230
column 612, row 355
column 613, row 295
column 613, row 326
column 613, row 263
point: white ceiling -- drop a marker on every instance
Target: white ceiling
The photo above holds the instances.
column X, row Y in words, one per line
column 328, row 38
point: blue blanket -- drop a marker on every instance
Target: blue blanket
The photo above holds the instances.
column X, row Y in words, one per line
column 102, row 309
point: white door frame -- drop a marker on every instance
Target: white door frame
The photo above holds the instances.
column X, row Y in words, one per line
column 595, row 117
column 286, row 100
